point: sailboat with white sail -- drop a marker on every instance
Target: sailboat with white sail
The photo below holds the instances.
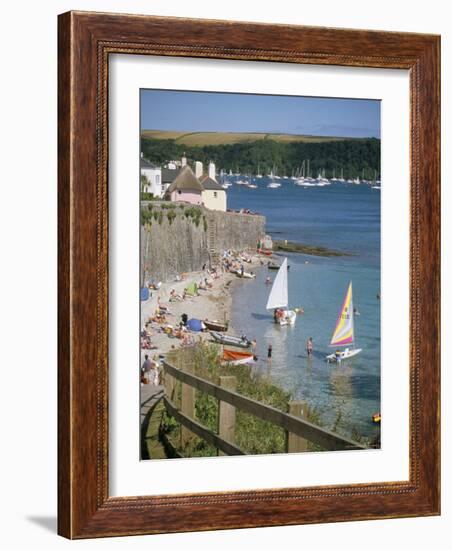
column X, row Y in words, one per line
column 344, row 331
column 258, row 175
column 278, row 298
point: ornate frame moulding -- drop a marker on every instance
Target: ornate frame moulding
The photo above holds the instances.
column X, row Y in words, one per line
column 85, row 42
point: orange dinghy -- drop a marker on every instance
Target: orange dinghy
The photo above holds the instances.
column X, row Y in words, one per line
column 237, row 357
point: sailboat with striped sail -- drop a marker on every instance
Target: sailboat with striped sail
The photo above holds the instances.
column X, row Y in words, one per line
column 344, row 334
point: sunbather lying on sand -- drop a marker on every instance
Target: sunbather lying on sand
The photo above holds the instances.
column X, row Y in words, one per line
column 175, row 297
column 161, row 305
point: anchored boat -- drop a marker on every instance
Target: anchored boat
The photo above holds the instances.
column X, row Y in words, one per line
column 279, row 298
column 272, row 265
column 344, row 331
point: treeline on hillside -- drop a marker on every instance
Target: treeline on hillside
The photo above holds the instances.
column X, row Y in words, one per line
column 352, row 157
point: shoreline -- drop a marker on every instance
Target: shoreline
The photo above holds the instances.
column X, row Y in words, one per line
column 213, row 304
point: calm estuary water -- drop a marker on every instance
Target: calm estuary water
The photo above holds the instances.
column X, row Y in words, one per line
column 339, row 216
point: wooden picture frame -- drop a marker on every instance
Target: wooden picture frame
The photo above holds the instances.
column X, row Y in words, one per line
column 86, row 40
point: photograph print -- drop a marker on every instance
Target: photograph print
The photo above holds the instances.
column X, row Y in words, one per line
column 259, row 274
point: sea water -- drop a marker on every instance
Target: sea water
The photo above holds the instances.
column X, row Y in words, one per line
column 343, row 217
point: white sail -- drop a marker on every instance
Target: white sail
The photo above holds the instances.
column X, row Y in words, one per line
column 278, row 294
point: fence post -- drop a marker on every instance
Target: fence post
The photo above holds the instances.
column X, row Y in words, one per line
column 226, row 412
column 187, row 407
column 296, row 444
column 169, row 384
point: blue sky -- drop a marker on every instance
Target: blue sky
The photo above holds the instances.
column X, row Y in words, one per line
column 222, row 112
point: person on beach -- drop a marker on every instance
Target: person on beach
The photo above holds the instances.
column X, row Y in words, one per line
column 184, row 319
column 269, row 354
column 309, row 346
column 242, row 270
column 206, row 282
column 163, row 307
column 174, row 296
column 146, row 367
column 154, row 373
column 254, row 345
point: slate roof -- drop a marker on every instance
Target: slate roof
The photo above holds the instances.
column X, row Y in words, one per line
column 210, row 184
column 146, row 164
column 185, row 181
column 169, row 175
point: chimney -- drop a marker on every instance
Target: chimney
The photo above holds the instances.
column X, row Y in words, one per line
column 183, row 160
column 212, row 170
column 198, row 169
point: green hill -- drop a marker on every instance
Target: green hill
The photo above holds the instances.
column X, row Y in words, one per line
column 200, row 139
column 253, row 153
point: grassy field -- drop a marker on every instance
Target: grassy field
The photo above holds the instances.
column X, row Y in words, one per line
column 222, row 138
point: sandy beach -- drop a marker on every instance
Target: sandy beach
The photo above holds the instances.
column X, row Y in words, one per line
column 212, row 304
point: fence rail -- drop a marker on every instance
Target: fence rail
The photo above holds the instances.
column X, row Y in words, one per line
column 298, row 429
column 204, row 433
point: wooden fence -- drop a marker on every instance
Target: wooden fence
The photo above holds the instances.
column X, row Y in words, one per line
column 299, row 430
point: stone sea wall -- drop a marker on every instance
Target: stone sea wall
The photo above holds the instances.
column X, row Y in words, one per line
column 178, row 238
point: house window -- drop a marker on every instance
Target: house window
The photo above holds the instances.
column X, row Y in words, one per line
column 157, row 179
column 214, row 194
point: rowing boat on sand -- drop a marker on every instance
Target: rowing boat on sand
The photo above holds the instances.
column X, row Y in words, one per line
column 237, row 357
column 229, row 340
column 216, row 325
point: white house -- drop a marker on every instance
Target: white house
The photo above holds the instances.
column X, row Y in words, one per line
column 153, row 175
column 194, row 187
column 213, row 195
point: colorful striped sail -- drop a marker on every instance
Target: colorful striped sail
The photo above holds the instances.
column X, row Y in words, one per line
column 343, row 332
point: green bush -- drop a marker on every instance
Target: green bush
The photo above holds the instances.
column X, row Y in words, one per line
column 146, row 216
column 147, row 196
column 171, row 215
column 252, row 435
column 194, row 213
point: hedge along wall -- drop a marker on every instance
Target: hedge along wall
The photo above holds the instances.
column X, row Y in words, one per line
column 178, row 238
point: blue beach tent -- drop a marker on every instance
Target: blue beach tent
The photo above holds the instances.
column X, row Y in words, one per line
column 194, row 325
column 144, row 294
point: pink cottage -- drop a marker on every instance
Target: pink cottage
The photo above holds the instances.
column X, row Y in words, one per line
column 186, row 187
